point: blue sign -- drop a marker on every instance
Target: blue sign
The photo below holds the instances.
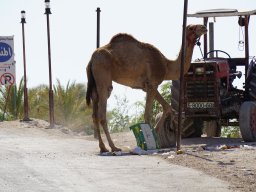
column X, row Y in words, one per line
column 5, row 52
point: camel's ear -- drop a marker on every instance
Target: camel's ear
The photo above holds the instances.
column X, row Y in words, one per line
column 190, row 27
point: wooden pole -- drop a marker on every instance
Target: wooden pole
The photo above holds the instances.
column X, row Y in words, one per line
column 183, row 48
column 26, row 117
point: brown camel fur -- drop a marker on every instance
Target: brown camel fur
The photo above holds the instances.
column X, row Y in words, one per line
column 138, row 65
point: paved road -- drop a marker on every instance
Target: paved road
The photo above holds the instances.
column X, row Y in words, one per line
column 41, row 160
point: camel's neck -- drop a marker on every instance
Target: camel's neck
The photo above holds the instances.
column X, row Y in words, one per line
column 174, row 65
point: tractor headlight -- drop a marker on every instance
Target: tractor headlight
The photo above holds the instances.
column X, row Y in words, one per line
column 199, row 70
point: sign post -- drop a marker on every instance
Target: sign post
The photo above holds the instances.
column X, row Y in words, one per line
column 7, row 63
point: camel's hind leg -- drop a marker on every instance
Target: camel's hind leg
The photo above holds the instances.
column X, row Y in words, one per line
column 111, row 144
column 96, row 122
column 102, row 76
column 102, row 115
column 101, row 143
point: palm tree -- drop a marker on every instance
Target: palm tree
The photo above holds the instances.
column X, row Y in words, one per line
column 70, row 106
column 39, row 102
column 11, row 99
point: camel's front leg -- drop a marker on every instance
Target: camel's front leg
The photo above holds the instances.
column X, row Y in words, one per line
column 167, row 109
column 166, row 106
column 152, row 93
column 149, row 104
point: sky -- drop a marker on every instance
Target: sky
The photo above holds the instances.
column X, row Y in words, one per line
column 73, row 33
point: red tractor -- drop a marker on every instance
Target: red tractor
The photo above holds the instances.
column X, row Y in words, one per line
column 211, row 99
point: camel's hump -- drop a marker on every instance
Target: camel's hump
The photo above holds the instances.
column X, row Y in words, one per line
column 122, row 37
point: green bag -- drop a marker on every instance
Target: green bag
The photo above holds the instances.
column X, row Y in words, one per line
column 145, row 136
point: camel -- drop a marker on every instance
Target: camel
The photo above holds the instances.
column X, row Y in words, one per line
column 138, row 65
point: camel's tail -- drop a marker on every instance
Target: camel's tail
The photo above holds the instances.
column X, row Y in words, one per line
column 90, row 83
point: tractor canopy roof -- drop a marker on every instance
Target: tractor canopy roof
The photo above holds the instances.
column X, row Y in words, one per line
column 222, row 13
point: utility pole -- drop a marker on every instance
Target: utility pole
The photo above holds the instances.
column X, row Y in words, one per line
column 51, row 101
column 23, row 21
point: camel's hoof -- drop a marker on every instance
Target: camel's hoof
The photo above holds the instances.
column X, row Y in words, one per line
column 104, row 150
column 115, row 149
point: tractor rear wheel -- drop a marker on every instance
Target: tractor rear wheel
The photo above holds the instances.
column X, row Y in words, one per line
column 247, row 121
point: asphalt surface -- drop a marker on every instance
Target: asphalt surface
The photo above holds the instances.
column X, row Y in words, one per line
column 42, row 160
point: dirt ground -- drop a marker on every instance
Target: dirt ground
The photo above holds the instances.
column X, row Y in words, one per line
column 230, row 160
column 36, row 158
column 227, row 159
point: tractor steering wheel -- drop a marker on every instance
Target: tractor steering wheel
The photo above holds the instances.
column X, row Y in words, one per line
column 217, row 55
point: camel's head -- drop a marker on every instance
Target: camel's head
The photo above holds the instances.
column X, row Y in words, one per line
column 194, row 32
